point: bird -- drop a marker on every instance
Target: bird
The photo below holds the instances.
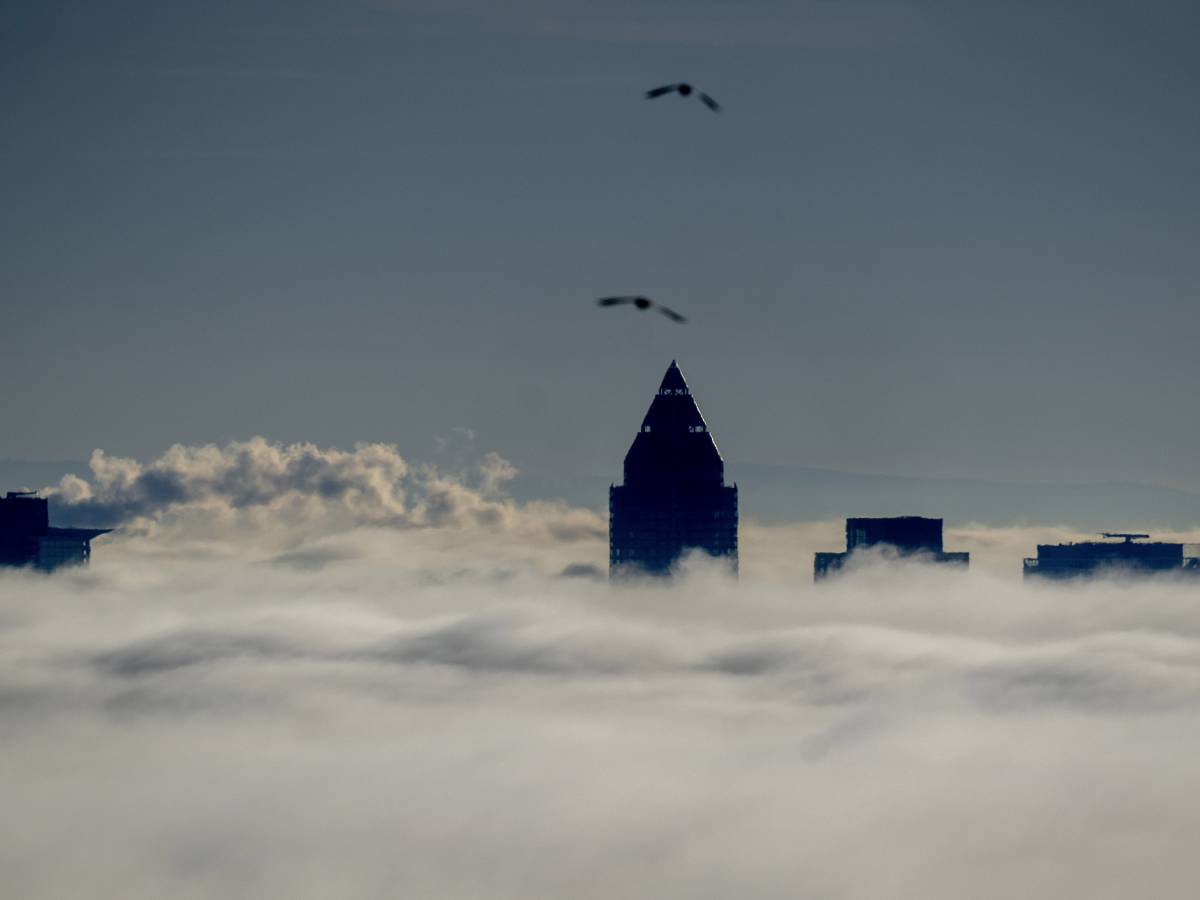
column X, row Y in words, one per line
column 641, row 303
column 683, row 89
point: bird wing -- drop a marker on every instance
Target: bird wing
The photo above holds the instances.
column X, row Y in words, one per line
column 613, row 301
column 710, row 102
column 659, row 91
column 671, row 314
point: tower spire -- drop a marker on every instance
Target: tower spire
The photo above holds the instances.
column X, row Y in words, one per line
column 673, row 381
column 674, row 496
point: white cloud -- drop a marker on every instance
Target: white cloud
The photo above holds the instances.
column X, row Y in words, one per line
column 201, row 728
column 264, row 497
column 311, row 673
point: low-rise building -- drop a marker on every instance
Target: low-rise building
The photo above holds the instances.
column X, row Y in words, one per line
column 906, row 536
column 1124, row 553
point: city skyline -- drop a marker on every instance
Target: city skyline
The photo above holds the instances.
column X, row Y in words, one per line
column 341, row 316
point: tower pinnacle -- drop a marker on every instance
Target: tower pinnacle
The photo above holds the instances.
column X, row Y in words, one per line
column 674, row 497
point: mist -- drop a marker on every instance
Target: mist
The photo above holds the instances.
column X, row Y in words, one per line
column 462, row 706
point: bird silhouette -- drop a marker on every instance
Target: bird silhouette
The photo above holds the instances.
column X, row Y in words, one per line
column 683, row 89
column 641, row 303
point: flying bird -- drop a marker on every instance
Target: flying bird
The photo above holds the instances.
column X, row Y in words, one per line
column 683, row 89
column 641, row 303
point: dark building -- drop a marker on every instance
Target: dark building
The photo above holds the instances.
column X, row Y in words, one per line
column 1126, row 556
column 907, row 535
column 26, row 538
column 674, row 498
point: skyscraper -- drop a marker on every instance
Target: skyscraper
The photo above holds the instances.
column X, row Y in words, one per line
column 674, row 498
column 28, row 539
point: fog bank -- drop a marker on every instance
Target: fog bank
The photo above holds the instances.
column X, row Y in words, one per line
column 415, row 723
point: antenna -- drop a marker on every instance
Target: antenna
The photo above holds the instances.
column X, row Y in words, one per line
column 1129, row 537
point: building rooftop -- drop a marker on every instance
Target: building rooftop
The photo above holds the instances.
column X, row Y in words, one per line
column 673, row 444
column 906, row 536
column 1133, row 553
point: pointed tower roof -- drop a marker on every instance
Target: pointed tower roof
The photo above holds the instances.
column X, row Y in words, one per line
column 674, row 444
column 673, row 380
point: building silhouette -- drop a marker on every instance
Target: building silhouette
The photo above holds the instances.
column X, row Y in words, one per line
column 27, row 539
column 674, row 498
column 905, row 535
column 1124, row 556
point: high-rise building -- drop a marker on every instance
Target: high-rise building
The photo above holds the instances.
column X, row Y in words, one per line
column 674, row 498
column 1127, row 556
column 27, row 539
column 904, row 535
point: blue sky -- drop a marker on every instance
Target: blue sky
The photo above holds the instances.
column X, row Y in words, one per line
column 923, row 238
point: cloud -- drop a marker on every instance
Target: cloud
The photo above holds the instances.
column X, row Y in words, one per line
column 196, row 726
column 309, row 672
column 290, row 496
column 181, row 648
column 784, row 553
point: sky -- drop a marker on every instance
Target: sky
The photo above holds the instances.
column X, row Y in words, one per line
column 926, row 238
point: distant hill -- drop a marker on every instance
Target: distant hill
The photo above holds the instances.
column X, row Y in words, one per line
column 783, row 494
